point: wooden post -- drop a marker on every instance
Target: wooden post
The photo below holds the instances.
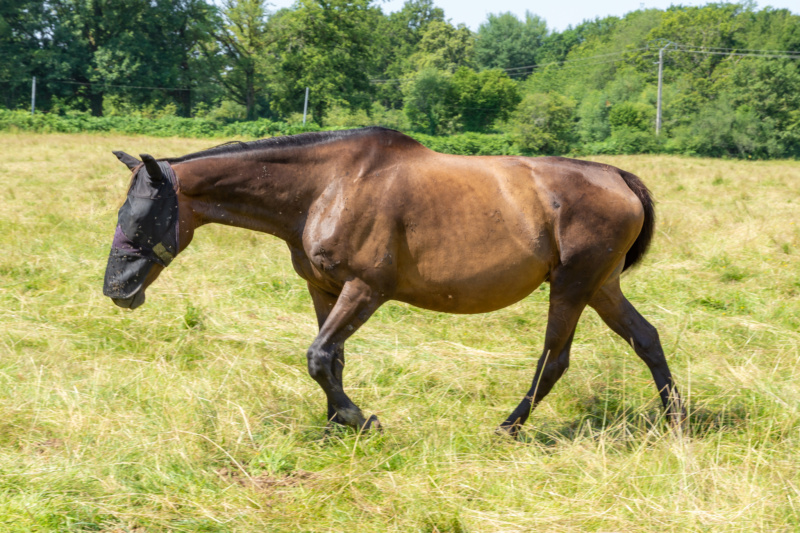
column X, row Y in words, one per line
column 660, row 76
column 305, row 108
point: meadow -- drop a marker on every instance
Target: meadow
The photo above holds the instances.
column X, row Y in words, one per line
column 196, row 412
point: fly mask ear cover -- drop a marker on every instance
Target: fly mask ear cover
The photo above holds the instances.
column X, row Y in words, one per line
column 146, row 234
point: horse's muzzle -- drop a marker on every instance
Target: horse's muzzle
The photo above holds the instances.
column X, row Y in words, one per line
column 125, row 278
column 130, row 303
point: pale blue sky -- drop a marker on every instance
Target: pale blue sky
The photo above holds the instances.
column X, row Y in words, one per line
column 558, row 13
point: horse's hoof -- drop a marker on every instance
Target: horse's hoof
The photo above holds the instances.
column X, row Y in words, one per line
column 678, row 424
column 336, row 420
column 373, row 423
column 510, row 430
column 333, row 430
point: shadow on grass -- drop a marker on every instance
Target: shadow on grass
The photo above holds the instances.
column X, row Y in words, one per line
column 608, row 418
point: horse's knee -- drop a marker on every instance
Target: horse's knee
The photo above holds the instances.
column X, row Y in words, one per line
column 319, row 363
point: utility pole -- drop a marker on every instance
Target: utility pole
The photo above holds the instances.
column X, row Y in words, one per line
column 305, row 108
column 33, row 95
column 660, row 76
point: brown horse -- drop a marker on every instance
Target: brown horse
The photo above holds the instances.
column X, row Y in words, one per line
column 371, row 215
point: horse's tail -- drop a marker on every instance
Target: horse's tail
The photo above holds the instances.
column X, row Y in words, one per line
column 642, row 242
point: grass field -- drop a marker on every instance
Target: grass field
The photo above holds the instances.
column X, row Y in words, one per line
column 195, row 412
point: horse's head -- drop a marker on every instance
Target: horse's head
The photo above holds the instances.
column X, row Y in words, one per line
column 147, row 236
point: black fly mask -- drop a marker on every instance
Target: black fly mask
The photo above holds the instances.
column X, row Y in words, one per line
column 146, row 234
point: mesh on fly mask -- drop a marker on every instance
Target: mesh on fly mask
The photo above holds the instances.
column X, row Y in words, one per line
column 146, row 233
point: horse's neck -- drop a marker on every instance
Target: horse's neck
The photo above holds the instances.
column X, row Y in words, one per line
column 268, row 194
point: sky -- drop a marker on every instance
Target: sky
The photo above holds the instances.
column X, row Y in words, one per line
column 558, row 13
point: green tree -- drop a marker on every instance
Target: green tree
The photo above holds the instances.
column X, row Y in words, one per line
column 101, row 43
column 504, row 41
column 483, row 97
column 714, row 25
column 443, row 46
column 325, row 45
column 592, row 114
column 555, row 46
column 634, row 115
column 544, row 123
column 720, row 129
column 24, row 36
column 770, row 90
column 103, row 47
column 178, row 30
column 395, row 39
column 428, row 101
column 239, row 50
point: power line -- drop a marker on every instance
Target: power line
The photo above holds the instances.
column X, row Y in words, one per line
column 577, row 59
column 68, row 82
column 582, row 65
column 582, row 59
column 717, row 48
column 736, row 54
column 679, row 47
column 92, row 84
column 515, row 71
column 746, row 52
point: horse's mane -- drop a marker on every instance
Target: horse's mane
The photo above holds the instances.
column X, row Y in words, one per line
column 285, row 141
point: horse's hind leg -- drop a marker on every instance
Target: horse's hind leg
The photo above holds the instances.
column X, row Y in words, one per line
column 568, row 298
column 620, row 315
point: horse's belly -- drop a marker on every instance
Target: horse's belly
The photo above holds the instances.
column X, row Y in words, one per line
column 473, row 241
column 479, row 285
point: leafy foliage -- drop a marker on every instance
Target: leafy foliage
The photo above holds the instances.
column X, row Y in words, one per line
column 483, row 97
column 504, row 41
column 544, row 123
column 240, row 39
column 335, row 74
column 427, row 101
column 587, row 89
column 171, row 126
column 443, row 47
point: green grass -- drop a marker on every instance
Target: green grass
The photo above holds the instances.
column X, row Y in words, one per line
column 195, row 413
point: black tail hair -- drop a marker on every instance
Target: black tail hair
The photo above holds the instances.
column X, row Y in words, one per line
column 642, row 242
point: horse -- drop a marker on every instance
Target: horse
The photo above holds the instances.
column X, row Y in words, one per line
column 371, row 215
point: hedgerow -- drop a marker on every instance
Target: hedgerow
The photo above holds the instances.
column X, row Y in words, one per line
column 171, row 126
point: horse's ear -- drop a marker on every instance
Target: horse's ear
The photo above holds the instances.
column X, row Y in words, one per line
column 152, row 167
column 130, row 161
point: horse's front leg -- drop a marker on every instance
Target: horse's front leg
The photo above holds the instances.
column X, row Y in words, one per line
column 339, row 318
column 323, row 305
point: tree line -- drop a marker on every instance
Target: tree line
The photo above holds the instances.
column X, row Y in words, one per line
column 731, row 82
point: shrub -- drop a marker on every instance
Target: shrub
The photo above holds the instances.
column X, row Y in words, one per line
column 626, row 140
column 632, row 115
column 429, row 102
column 466, row 144
column 719, row 130
column 470, row 144
column 544, row 123
column 165, row 126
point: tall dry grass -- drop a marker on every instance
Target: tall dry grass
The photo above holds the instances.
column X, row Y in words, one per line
column 195, row 413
